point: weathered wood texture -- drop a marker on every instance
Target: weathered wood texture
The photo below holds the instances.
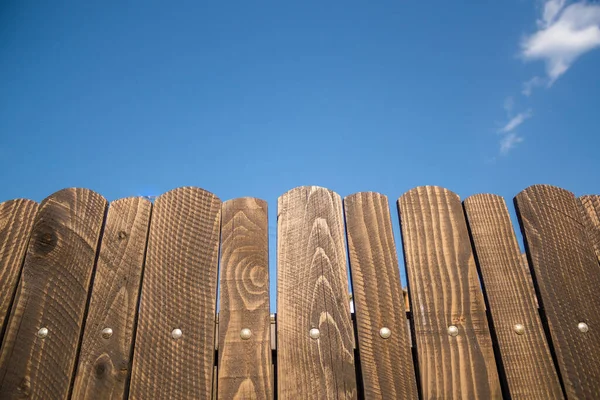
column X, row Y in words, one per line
column 52, row 294
column 444, row 291
column 526, row 358
column 179, row 291
column 386, row 364
column 591, row 209
column 104, row 362
column 16, row 221
column 566, row 274
column 244, row 364
column 312, row 293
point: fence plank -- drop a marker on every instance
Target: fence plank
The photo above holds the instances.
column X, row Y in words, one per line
column 566, row 273
column 591, row 209
column 104, row 361
column 244, row 364
column 16, row 222
column 312, row 293
column 386, row 364
column 526, row 358
column 179, row 291
column 52, row 294
column 444, row 291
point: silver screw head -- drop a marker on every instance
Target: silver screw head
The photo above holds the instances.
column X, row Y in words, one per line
column 314, row 333
column 453, row 330
column 385, row 332
column 42, row 333
column 583, row 327
column 176, row 333
column 519, row 329
column 245, row 333
column 107, row 333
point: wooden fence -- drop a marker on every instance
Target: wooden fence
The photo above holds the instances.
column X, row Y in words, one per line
column 119, row 300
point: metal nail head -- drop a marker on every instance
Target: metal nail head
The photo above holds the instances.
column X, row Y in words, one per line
column 107, row 333
column 245, row 333
column 519, row 329
column 453, row 330
column 385, row 332
column 314, row 333
column 583, row 327
column 42, row 333
column 176, row 333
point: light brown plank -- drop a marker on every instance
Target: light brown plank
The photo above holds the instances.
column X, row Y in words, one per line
column 104, row 361
column 312, row 293
column 16, row 222
column 444, row 291
column 244, row 364
column 52, row 294
column 179, row 291
column 591, row 209
column 566, row 271
column 386, row 363
column 526, row 358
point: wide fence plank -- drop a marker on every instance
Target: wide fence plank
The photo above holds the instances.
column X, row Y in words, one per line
column 567, row 278
column 244, row 369
column 455, row 355
column 315, row 355
column 40, row 346
column 591, row 209
column 16, row 222
column 524, row 352
column 105, row 356
column 174, row 347
column 386, row 361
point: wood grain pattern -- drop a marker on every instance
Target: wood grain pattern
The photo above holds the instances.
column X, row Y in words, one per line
column 312, row 292
column 591, row 209
column 244, row 365
column 52, row 293
column 526, row 358
column 179, row 291
column 16, row 222
column 444, row 290
column 566, row 275
column 104, row 363
column 386, row 364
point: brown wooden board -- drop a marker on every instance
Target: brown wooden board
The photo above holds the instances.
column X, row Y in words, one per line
column 566, row 275
column 386, row 363
column 104, row 360
column 525, row 356
column 591, row 209
column 312, row 293
column 52, row 294
column 244, row 363
column 179, row 291
column 16, row 221
column 444, row 291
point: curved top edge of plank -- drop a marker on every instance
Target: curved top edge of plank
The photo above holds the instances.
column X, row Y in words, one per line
column 64, row 191
column 590, row 196
column 7, row 203
column 534, row 188
column 186, row 189
column 482, row 196
column 308, row 188
column 425, row 187
column 367, row 193
column 245, row 198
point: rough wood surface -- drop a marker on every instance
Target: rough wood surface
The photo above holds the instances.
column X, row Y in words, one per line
column 312, row 293
column 104, row 362
column 566, row 275
column 444, row 290
column 591, row 209
column 53, row 294
column 386, row 364
column 526, row 358
column 244, row 364
column 179, row 291
column 16, row 221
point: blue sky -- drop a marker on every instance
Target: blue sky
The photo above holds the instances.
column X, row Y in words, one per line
column 255, row 98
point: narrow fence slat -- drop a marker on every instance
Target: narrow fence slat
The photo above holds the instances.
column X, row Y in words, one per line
column 16, row 222
column 386, row 363
column 566, row 274
column 525, row 355
column 174, row 347
column 312, row 294
column 591, row 209
column 455, row 355
column 244, row 356
column 104, row 360
column 52, row 295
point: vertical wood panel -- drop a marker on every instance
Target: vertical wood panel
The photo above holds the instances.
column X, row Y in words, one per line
column 104, row 362
column 386, row 364
column 179, row 291
column 52, row 293
column 526, row 358
column 566, row 273
column 244, row 364
column 591, row 210
column 444, row 291
column 312, row 293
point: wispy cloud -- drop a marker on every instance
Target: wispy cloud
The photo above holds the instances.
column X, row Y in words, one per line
column 531, row 84
column 508, row 142
column 516, row 121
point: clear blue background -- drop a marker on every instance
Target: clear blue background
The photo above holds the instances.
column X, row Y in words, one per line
column 253, row 98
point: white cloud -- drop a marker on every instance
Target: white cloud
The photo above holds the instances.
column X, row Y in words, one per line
column 509, row 141
column 551, row 10
column 516, row 121
column 532, row 83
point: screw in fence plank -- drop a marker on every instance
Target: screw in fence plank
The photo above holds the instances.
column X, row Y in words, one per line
column 175, row 338
column 40, row 346
column 454, row 347
column 590, row 206
column 315, row 356
column 524, row 352
column 385, row 355
column 566, row 276
column 104, row 360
